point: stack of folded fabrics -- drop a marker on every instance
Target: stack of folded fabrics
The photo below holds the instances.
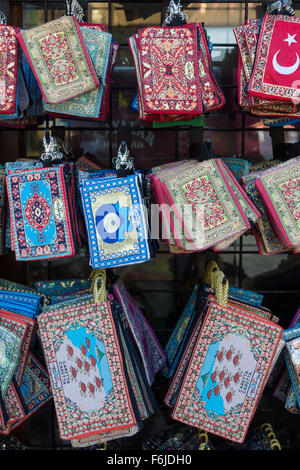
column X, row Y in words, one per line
column 116, row 218
column 102, row 357
column 274, row 191
column 174, row 73
column 72, row 63
column 24, row 382
column 268, row 67
column 17, row 329
column 226, row 359
column 201, row 204
column 291, row 354
column 59, row 46
column 92, row 104
column 42, row 209
column 281, row 383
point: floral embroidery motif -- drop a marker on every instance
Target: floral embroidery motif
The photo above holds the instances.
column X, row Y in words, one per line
column 59, row 59
column 208, row 400
column 9, row 63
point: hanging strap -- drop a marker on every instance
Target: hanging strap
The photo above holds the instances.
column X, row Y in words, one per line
column 221, row 287
column 215, row 278
column 99, row 291
column 209, row 272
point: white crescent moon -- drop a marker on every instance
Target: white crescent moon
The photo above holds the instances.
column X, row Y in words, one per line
column 285, row 70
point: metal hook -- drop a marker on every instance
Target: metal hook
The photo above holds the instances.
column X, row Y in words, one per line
column 3, row 18
column 73, row 8
column 51, row 149
column 174, row 9
column 280, row 6
column 123, row 161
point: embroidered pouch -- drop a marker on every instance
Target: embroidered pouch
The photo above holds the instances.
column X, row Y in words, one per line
column 267, row 240
column 35, row 388
column 25, row 328
column 9, row 67
column 291, row 404
column 237, row 166
column 64, row 286
column 204, row 401
column 246, row 204
column 179, row 331
column 14, row 405
column 2, row 208
column 151, row 353
column 145, row 402
column 169, row 69
column 59, row 59
column 206, row 186
column 292, row 358
column 278, row 188
column 40, row 213
column 115, row 222
column 284, row 381
column 23, row 303
column 96, row 400
column 194, row 332
column 87, row 105
column 10, row 345
column 277, row 62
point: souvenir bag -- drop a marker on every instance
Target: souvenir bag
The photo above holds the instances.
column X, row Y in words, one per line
column 34, row 391
column 278, row 189
column 151, row 353
column 166, row 75
column 176, row 337
column 25, row 328
column 17, row 334
column 291, row 403
column 222, row 397
column 274, row 73
column 43, row 224
column 35, row 107
column 213, row 206
column 88, row 370
column 2, row 208
column 26, row 304
column 214, row 282
column 88, row 105
column 63, row 286
column 11, row 343
column 6, row 285
column 59, row 59
column 248, row 42
column 116, row 223
column 283, row 386
column 266, row 237
column 14, row 408
column 237, row 166
column 176, row 89
column 292, row 359
column 9, row 70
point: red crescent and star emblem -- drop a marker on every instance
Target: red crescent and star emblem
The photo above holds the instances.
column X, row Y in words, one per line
column 283, row 63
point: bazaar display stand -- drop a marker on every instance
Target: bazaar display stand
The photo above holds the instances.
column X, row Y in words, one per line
column 16, row 141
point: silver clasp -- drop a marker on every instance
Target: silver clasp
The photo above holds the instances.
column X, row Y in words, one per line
column 123, row 161
column 3, row 18
column 281, row 5
column 73, row 8
column 174, row 9
column 52, row 150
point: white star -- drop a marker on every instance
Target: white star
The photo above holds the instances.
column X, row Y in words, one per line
column 290, row 39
